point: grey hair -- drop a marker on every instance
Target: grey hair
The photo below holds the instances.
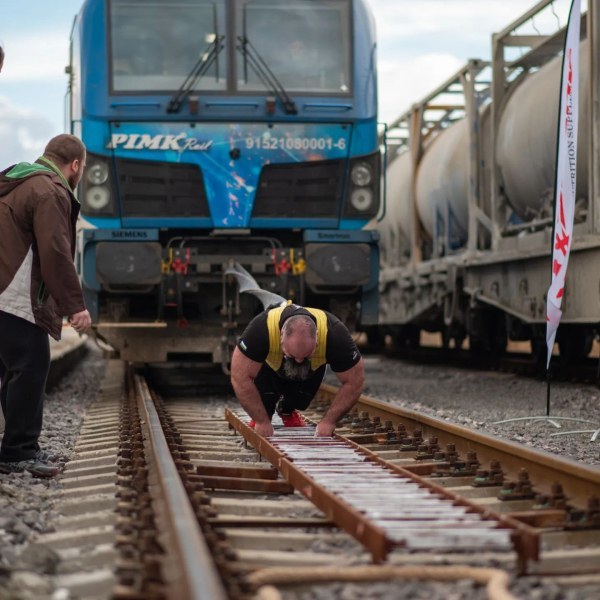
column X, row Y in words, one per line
column 299, row 323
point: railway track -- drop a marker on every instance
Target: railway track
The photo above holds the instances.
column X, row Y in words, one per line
column 180, row 498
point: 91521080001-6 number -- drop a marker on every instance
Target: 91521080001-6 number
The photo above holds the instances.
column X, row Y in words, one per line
column 294, row 143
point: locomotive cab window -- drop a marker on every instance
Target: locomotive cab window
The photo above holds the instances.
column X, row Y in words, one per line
column 305, row 43
column 154, row 44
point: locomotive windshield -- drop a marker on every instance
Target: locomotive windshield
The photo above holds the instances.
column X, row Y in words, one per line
column 154, row 44
column 305, row 43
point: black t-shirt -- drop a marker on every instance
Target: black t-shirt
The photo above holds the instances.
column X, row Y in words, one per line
column 340, row 351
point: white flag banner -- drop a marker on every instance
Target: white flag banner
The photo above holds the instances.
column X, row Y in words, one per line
column 566, row 175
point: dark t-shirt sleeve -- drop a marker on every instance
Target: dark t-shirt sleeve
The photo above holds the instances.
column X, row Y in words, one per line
column 254, row 342
column 342, row 353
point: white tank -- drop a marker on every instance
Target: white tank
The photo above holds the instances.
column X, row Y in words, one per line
column 396, row 225
column 442, row 185
column 526, row 139
column 525, row 155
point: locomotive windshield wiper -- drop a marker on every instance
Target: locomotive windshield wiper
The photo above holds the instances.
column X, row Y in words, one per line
column 267, row 77
column 207, row 58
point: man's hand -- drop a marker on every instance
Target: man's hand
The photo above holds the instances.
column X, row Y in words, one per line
column 81, row 321
column 264, row 429
column 353, row 381
column 324, row 429
column 243, row 373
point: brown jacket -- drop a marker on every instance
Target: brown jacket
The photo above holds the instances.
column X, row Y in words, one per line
column 38, row 214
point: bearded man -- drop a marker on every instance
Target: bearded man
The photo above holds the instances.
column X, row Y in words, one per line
column 38, row 287
column 280, row 361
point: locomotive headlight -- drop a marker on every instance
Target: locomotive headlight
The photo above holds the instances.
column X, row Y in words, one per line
column 96, row 188
column 361, row 198
column 361, row 174
column 97, row 173
column 97, row 197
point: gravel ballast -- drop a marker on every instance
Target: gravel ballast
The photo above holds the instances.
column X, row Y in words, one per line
column 26, row 503
column 473, row 398
column 478, row 399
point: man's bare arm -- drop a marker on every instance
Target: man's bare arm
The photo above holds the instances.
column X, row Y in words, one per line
column 353, row 383
column 243, row 373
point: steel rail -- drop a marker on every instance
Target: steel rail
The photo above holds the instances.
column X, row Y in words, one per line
column 344, row 515
column 197, row 577
column 372, row 536
column 579, row 481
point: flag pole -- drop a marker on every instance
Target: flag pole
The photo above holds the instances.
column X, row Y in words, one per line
column 564, row 192
column 548, row 392
column 564, row 180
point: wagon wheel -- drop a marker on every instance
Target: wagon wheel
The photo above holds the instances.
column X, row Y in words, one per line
column 375, row 338
column 408, row 336
column 574, row 345
column 491, row 338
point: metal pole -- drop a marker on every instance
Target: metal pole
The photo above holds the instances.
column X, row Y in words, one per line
column 593, row 31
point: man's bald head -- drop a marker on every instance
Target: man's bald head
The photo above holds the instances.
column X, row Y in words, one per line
column 298, row 344
column 299, row 337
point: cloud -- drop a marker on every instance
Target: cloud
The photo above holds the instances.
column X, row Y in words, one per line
column 421, row 44
column 40, row 57
column 403, row 82
column 462, row 20
column 24, row 134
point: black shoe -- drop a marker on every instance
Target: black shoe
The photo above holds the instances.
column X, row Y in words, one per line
column 37, row 468
column 46, row 456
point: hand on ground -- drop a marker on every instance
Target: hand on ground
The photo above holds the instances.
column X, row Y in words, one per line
column 324, row 429
column 264, row 429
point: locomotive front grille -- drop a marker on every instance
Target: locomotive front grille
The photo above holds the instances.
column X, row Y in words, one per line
column 160, row 189
column 308, row 190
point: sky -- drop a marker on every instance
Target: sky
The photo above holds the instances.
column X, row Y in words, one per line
column 420, row 44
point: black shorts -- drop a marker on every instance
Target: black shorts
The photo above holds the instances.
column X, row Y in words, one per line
column 293, row 394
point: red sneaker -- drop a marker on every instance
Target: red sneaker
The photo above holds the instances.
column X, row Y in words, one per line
column 294, row 419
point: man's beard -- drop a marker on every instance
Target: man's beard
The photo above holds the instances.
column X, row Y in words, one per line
column 74, row 181
column 296, row 371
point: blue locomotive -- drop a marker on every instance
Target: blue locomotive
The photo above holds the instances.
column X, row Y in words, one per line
column 218, row 132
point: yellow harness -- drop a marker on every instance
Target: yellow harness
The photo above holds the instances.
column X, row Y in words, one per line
column 275, row 356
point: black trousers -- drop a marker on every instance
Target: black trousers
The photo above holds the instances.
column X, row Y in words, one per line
column 293, row 394
column 24, row 366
